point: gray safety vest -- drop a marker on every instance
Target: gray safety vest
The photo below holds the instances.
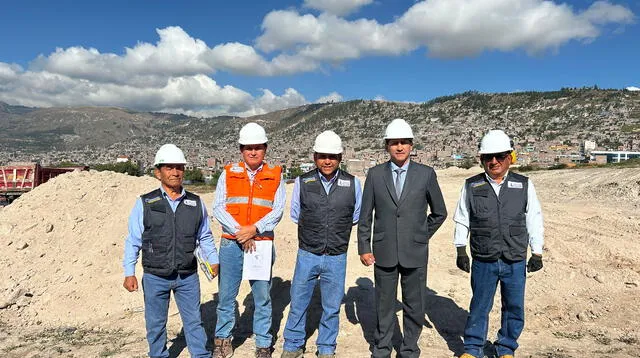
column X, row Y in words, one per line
column 497, row 224
column 325, row 221
column 169, row 238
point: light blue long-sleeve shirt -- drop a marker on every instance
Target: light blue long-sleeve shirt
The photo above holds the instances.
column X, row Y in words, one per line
column 133, row 242
column 295, row 197
column 229, row 224
column 533, row 214
column 394, row 174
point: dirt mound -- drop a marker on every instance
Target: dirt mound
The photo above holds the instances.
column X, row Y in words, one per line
column 62, row 293
column 605, row 184
column 63, row 244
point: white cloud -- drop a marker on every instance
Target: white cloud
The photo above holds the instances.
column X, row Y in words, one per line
column 176, row 72
column 171, row 76
column 337, row 7
column 446, row 28
column 269, row 102
column 632, row 88
column 457, row 28
column 603, row 12
column 175, row 54
column 331, row 97
column 8, row 72
column 196, row 95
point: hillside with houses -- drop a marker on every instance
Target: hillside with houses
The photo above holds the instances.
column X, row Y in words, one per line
column 547, row 127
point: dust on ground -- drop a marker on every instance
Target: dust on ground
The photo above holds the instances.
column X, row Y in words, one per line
column 62, row 293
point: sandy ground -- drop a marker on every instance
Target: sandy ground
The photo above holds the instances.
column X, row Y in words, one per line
column 62, row 296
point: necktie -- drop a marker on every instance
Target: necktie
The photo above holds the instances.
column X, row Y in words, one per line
column 398, row 183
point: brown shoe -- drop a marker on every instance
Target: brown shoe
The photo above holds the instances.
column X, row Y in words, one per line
column 506, row 356
column 222, row 348
column 263, row 352
column 467, row 355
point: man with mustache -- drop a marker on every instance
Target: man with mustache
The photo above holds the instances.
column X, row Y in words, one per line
column 500, row 215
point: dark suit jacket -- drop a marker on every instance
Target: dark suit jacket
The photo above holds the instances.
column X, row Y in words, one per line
column 402, row 228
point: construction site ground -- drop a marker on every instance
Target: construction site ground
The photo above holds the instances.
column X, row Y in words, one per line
column 61, row 294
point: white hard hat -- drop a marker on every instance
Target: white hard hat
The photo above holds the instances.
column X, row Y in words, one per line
column 328, row 142
column 169, row 154
column 252, row 133
column 495, row 141
column 398, row 129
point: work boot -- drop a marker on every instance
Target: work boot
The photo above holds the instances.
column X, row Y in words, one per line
column 506, row 356
column 290, row 354
column 222, row 348
column 263, row 352
column 467, row 355
column 332, row 355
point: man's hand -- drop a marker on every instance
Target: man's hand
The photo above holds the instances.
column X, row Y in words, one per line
column 462, row 260
column 367, row 259
column 249, row 246
column 215, row 270
column 535, row 263
column 245, row 233
column 130, row 283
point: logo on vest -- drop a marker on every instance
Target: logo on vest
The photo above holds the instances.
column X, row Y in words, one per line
column 514, row 184
column 309, row 180
column 236, row 169
column 345, row 183
column 478, row 183
column 189, row 202
column 152, row 200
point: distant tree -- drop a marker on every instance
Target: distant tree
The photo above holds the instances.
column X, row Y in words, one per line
column 467, row 163
column 122, row 167
column 295, row 172
column 67, row 164
column 194, row 175
column 215, row 177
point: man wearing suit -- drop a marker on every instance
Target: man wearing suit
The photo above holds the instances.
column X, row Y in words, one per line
column 400, row 192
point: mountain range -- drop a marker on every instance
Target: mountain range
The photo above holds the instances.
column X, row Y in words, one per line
column 444, row 126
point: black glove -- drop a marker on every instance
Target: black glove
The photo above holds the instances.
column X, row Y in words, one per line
column 535, row 263
column 462, row 261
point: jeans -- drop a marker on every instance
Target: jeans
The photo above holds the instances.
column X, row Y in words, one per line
column 330, row 271
column 229, row 279
column 484, row 279
column 186, row 291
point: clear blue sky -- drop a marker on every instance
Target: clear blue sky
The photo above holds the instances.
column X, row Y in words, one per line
column 247, row 57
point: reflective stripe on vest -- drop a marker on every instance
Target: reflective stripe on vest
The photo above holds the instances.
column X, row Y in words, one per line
column 245, row 200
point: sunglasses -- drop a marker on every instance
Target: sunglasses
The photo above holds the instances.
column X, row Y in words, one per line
column 499, row 156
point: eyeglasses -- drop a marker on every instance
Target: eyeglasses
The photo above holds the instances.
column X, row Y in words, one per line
column 499, row 156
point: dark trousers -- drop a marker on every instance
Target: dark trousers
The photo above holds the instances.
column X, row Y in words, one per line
column 412, row 281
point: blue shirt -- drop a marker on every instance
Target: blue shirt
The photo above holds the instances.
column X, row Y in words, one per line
column 133, row 242
column 394, row 174
column 295, row 197
column 229, row 223
column 533, row 214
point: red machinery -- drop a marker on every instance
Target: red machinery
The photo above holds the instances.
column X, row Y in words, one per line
column 19, row 178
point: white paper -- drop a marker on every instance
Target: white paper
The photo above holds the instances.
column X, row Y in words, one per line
column 257, row 264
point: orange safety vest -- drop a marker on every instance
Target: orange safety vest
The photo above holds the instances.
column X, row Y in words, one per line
column 249, row 202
